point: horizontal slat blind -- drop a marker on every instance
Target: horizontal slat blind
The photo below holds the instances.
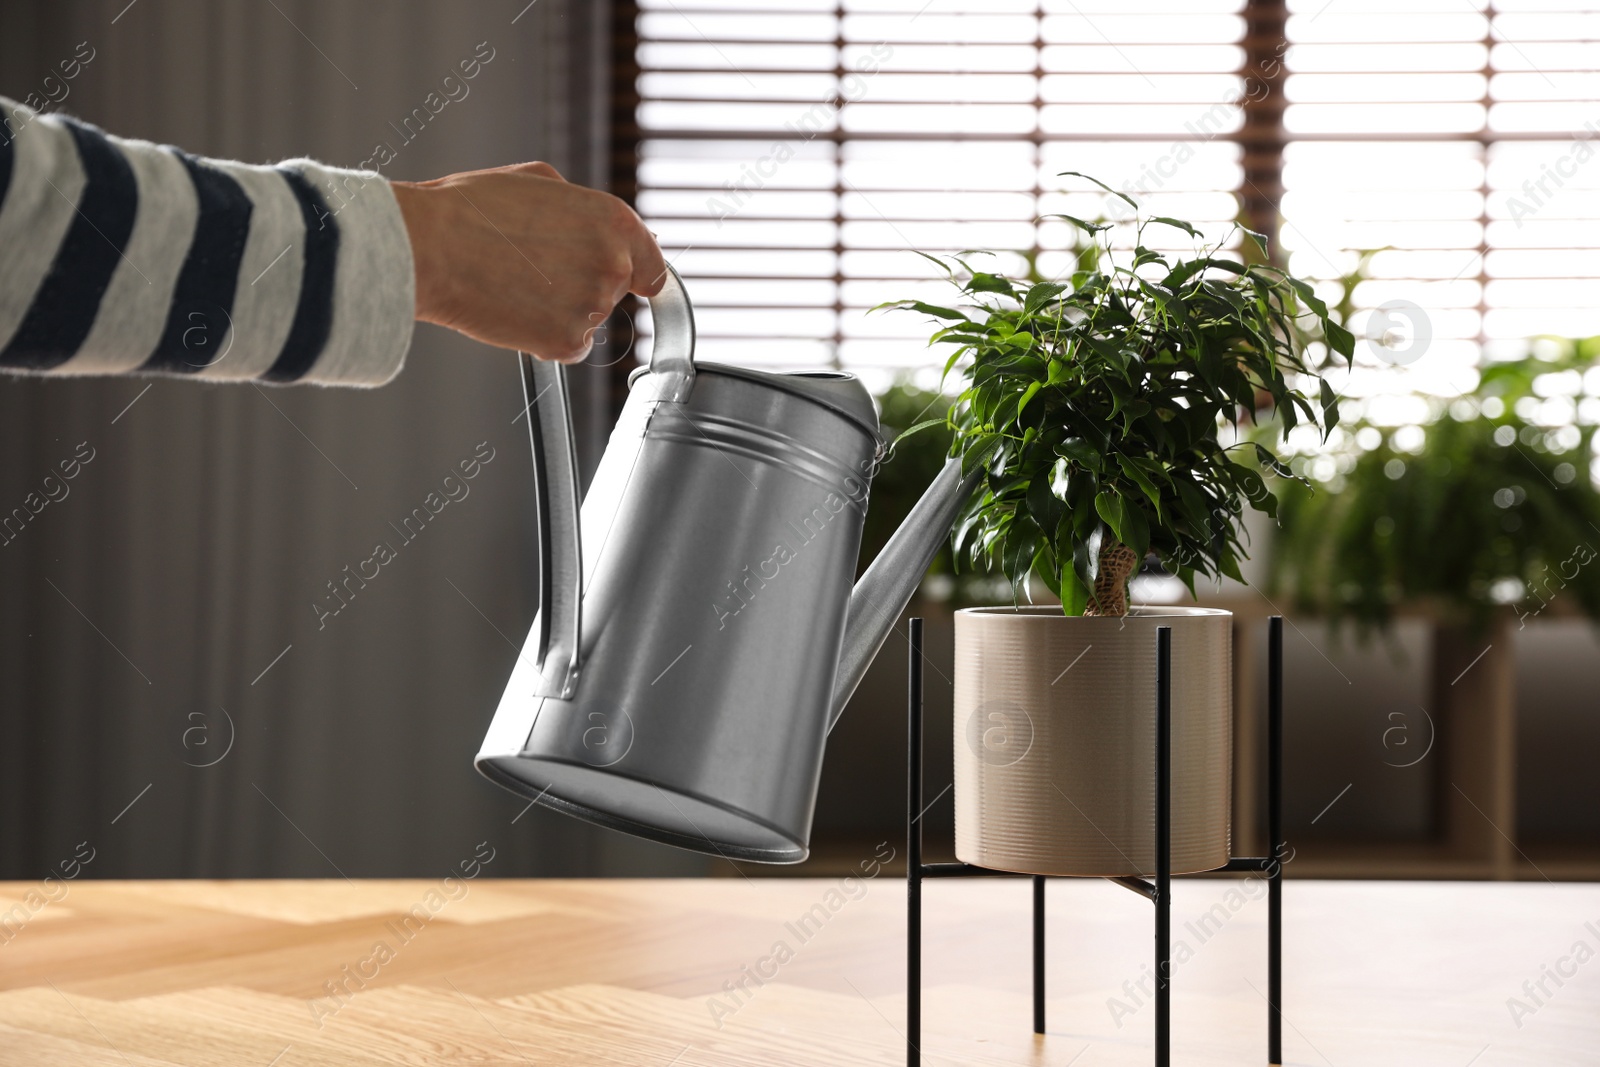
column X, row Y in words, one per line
column 792, row 156
column 1452, row 139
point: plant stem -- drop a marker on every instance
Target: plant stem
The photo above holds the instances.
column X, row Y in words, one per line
column 1110, row 594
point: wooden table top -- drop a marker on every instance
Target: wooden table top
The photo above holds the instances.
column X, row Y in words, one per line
column 299, row 973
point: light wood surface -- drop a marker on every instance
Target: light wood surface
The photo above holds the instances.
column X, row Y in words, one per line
column 215, row 974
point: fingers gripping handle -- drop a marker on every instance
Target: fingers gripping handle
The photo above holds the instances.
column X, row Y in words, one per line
column 555, row 466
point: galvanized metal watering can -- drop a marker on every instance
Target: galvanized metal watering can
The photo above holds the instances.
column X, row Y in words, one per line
column 698, row 634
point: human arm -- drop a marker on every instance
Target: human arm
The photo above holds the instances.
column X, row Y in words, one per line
column 121, row 256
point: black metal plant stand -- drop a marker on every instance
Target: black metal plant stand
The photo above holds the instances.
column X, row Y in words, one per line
column 1159, row 891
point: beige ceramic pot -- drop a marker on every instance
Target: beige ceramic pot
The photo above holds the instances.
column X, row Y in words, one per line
column 1055, row 740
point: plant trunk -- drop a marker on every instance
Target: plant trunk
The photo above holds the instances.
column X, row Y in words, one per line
column 1110, row 594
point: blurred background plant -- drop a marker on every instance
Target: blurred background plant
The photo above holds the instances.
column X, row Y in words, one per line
column 899, row 483
column 1488, row 505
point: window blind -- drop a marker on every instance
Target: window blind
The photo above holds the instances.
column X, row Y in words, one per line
column 1452, row 142
column 791, row 157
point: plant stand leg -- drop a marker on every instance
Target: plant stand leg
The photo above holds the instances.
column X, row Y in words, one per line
column 914, row 848
column 1163, row 899
column 1038, row 953
column 1275, row 840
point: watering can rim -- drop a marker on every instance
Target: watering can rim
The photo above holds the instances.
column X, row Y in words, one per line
column 828, row 388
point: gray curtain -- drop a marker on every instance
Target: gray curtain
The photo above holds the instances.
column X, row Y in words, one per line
column 158, row 617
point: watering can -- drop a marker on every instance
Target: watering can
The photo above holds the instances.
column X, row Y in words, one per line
column 698, row 634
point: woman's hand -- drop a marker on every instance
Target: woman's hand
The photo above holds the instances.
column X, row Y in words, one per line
column 519, row 258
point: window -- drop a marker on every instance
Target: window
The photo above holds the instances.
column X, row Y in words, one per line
column 1452, row 141
column 791, row 157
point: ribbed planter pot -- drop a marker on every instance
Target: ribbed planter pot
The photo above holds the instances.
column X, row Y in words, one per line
column 1055, row 740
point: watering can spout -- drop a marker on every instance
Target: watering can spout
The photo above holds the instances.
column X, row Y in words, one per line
column 885, row 590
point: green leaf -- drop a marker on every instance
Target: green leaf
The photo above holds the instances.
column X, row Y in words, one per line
column 1090, row 228
column 1183, row 271
column 1131, row 469
column 1040, row 295
column 1330, row 408
column 918, row 428
column 1111, row 510
column 982, row 282
column 931, row 309
column 979, row 453
column 1137, row 528
column 1021, row 543
column 1226, row 293
column 1176, row 223
column 1043, row 504
column 1079, row 174
column 1143, row 255
column 1080, row 451
column 1028, row 394
column 941, row 264
column 1044, row 565
column 1230, row 566
column 1304, row 291
column 1086, row 557
column 1273, row 463
column 1340, row 339
column 1074, row 597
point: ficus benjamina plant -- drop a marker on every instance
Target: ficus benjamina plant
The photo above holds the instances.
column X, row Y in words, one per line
column 1106, row 407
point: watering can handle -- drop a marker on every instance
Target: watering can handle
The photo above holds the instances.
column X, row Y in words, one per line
column 555, row 466
column 672, row 356
column 555, row 472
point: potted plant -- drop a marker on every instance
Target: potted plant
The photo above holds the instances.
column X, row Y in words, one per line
column 1106, row 408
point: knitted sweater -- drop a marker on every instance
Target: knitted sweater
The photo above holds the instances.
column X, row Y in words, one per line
column 121, row 256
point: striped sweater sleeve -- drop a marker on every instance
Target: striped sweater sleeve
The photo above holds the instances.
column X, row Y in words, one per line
column 121, row 256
